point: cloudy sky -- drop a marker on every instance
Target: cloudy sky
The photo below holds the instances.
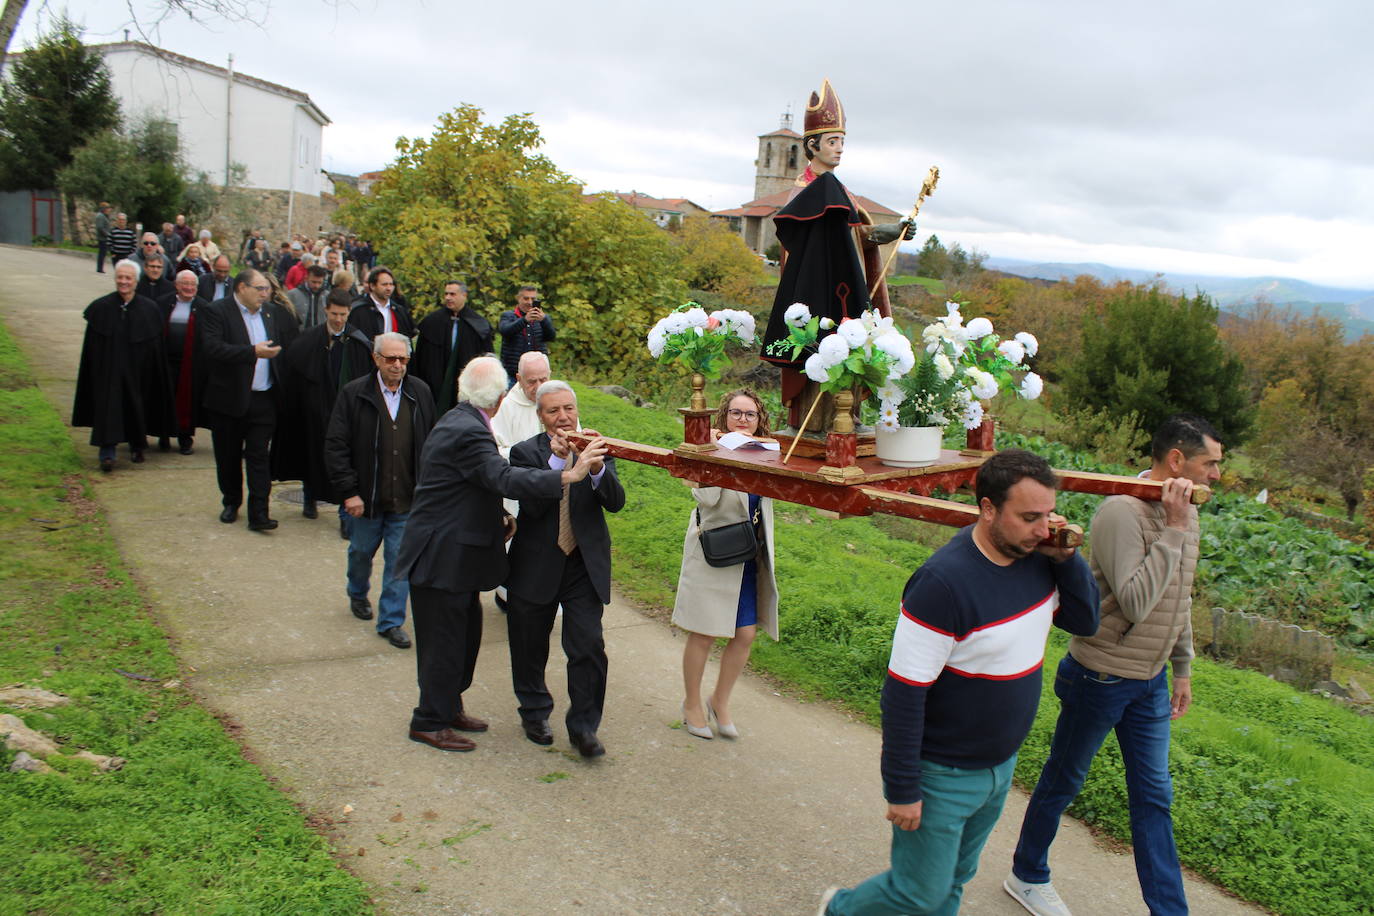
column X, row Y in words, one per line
column 1219, row 137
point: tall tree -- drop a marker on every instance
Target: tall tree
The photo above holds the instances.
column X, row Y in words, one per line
column 56, row 97
column 139, row 170
column 477, row 202
column 933, row 260
column 1155, row 354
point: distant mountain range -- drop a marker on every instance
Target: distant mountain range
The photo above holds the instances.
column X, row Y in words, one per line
column 1353, row 307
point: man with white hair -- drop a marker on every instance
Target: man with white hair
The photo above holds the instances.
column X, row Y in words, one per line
column 561, row 555
column 518, row 419
column 296, row 275
column 180, row 312
column 372, row 452
column 454, row 547
column 121, row 385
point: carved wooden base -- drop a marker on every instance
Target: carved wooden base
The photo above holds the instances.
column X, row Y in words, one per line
column 979, row 443
column 696, row 428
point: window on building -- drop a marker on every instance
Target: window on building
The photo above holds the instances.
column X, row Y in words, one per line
column 792, row 156
column 768, row 155
column 304, row 155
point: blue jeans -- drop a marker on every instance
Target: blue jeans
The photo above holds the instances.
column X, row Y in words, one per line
column 1093, row 704
column 367, row 534
column 931, row 864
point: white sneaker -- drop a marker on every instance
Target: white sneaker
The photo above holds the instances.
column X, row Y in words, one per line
column 1040, row 899
column 829, row 895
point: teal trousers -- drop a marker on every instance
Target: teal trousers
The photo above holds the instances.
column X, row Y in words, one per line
column 931, row 864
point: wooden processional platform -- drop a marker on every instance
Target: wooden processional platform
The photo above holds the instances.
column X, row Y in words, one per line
column 866, row 485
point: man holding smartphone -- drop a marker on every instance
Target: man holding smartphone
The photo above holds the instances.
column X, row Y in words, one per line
column 524, row 328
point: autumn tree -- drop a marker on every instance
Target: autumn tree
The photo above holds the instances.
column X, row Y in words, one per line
column 477, row 202
column 1316, row 397
column 714, row 257
column 1153, row 354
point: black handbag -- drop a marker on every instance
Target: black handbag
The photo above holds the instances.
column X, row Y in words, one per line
column 729, row 545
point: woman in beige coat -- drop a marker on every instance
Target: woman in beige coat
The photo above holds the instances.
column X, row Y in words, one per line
column 729, row 602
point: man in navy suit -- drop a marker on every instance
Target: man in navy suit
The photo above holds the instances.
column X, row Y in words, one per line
column 240, row 338
column 454, row 547
column 561, row 555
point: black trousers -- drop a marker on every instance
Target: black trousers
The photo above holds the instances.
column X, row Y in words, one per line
column 244, row 444
column 448, row 636
column 102, row 248
column 530, row 624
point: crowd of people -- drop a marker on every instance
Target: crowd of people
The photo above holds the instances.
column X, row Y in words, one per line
column 473, row 473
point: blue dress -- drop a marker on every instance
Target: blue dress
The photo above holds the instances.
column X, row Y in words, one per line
column 747, row 612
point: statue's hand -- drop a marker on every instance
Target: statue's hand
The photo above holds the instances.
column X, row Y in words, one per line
column 882, row 233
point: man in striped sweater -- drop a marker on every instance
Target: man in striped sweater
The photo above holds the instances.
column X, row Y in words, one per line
column 963, row 684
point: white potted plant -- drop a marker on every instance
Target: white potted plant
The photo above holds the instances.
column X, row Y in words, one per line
column 963, row 367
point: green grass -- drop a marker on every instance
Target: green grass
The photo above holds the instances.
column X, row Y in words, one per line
column 933, row 286
column 188, row 825
column 1274, row 788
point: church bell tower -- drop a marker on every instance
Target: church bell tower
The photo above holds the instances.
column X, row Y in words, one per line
column 780, row 159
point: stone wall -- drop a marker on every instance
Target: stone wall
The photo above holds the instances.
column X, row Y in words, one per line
column 1287, row 652
column 243, row 210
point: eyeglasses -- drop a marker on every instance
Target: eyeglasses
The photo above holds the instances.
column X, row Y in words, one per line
column 263, row 289
column 150, row 243
column 394, row 359
column 742, row 414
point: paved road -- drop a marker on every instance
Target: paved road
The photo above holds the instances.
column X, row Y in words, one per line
column 664, row 824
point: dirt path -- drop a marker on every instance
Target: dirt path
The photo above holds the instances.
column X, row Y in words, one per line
column 665, row 823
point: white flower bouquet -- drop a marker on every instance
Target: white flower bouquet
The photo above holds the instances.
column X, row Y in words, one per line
column 966, row 365
column 866, row 350
column 688, row 335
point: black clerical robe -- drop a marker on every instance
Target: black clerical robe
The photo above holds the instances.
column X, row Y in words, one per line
column 123, row 390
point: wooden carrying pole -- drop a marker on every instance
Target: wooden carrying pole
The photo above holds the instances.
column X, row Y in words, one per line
column 927, row 189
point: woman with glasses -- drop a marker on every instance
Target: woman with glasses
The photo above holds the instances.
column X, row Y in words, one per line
column 728, row 602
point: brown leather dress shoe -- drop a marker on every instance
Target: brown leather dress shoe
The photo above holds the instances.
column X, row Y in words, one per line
column 445, row 739
column 466, row 723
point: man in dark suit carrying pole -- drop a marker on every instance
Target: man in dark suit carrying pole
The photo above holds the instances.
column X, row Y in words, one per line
column 239, row 342
column 561, row 555
column 454, row 547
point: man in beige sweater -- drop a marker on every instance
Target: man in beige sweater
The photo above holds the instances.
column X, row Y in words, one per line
column 1143, row 557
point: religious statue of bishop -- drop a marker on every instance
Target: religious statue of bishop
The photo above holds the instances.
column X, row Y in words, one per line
column 830, row 258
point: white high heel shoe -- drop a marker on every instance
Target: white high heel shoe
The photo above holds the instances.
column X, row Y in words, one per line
column 726, row 731
column 703, row 731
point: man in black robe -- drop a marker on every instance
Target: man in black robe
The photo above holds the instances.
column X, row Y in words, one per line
column 122, row 386
column 318, row 363
column 445, row 341
column 181, row 310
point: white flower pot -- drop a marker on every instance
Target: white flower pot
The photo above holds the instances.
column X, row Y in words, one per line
column 909, row 446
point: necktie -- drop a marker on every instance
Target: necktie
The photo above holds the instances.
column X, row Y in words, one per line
column 566, row 542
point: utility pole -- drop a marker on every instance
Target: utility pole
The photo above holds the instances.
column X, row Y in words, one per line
column 228, row 116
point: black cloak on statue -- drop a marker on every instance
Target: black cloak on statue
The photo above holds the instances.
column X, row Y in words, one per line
column 822, row 269
column 123, row 390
